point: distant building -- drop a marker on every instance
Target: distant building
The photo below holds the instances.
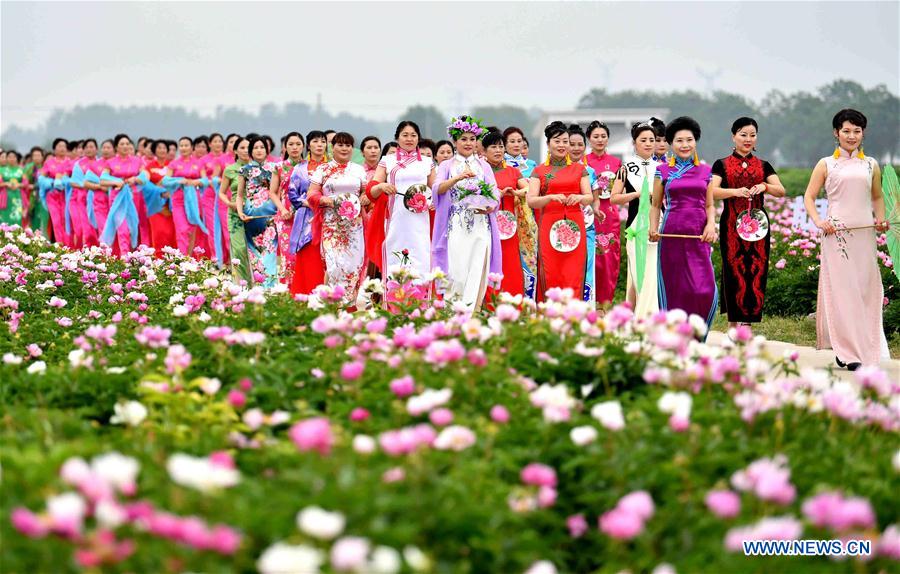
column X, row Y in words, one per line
column 619, row 121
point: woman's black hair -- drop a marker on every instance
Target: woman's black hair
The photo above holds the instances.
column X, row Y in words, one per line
column 15, row 153
column 73, row 145
column 407, row 123
column 343, row 138
column 215, row 135
column 270, row 143
column 231, row 135
column 118, row 138
column 639, row 127
column 188, row 138
column 855, row 117
column 555, row 129
column 110, row 142
column 251, row 135
column 659, row 127
column 525, row 139
column 36, row 148
column 427, row 143
column 387, row 146
column 288, row 136
column 315, row 135
column 158, row 143
column 493, row 137
column 367, row 139
column 201, row 139
column 253, row 142
column 743, row 122
column 57, row 141
column 171, row 143
column 441, row 144
column 575, row 130
column 85, row 142
column 682, row 123
column 596, row 124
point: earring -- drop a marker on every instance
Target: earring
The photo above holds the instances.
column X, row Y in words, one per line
column 837, row 150
column 672, row 160
column 860, row 153
column 696, row 157
column 754, row 148
column 548, row 159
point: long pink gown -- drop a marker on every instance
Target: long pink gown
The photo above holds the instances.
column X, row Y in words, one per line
column 125, row 167
column 848, row 314
column 56, row 199
column 608, row 231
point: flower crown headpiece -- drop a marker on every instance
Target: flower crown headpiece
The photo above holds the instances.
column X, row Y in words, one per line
column 466, row 124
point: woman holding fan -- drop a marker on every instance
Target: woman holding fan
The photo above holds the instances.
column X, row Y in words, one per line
column 557, row 190
column 742, row 180
column 849, row 309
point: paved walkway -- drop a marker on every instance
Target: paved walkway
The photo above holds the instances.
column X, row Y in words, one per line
column 810, row 357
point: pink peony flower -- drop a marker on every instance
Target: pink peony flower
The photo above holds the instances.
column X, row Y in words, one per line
column 781, row 263
column 621, row 524
column 638, row 503
column 403, row 387
column 28, row 523
column 441, row 417
column 236, row 398
column 723, row 503
column 352, row 371
column 538, row 474
column 359, row 414
column 499, row 414
column 577, row 525
column 177, row 359
column 312, row 434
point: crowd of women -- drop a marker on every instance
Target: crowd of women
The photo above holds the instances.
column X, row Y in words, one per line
column 476, row 209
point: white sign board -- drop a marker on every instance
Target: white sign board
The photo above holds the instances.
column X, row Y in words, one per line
column 801, row 217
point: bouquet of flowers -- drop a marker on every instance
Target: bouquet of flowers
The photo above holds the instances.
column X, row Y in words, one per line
column 477, row 194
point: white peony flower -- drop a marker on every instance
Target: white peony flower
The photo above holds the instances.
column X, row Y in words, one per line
column 428, row 400
column 320, row 523
column 416, row 559
column 349, row 554
column 12, row 359
column 131, row 413
column 454, row 437
column 542, row 567
column 583, row 435
column 210, row 386
column 363, row 444
column 896, row 460
column 282, row 558
column 37, row 368
column 385, row 560
column 67, row 508
column 109, row 514
column 676, row 403
column 116, row 469
column 609, row 413
column 200, row 473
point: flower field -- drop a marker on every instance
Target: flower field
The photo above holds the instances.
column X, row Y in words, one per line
column 158, row 418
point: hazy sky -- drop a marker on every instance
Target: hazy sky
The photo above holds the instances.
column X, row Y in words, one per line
column 375, row 58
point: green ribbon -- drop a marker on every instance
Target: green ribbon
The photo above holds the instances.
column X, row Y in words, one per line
column 639, row 231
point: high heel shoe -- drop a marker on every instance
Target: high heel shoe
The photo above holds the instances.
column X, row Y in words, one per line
column 848, row 366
